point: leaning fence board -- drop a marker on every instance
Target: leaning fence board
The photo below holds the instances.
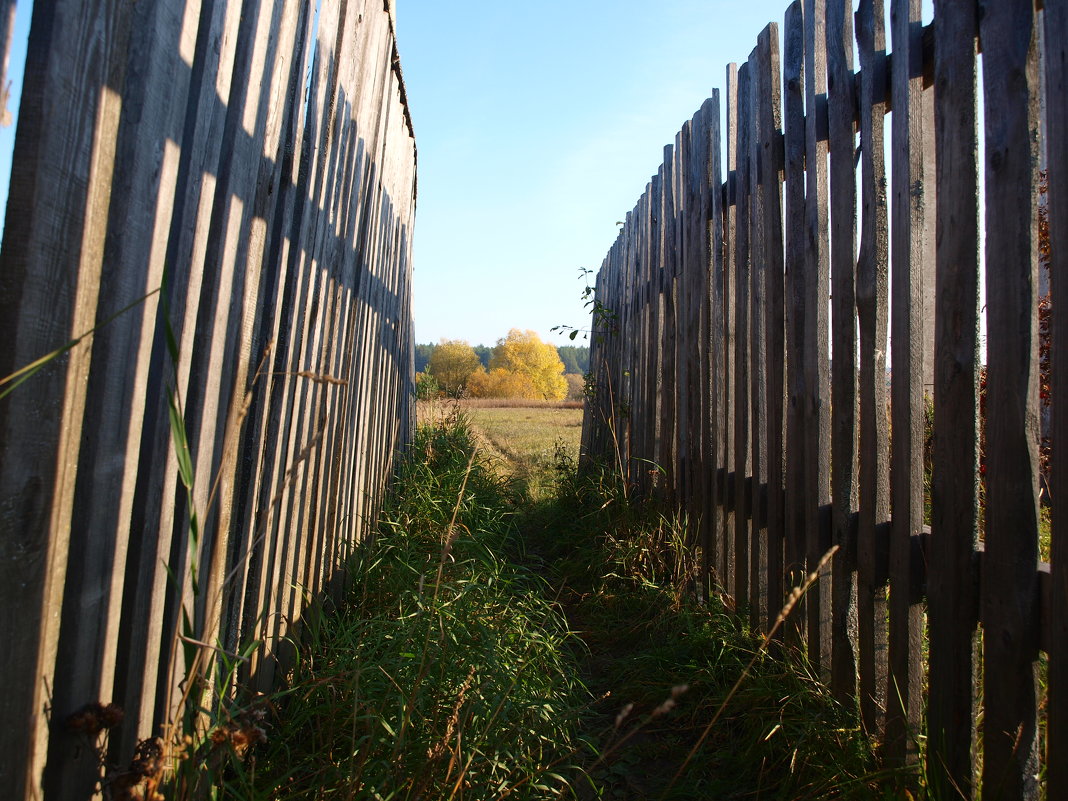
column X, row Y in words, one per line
column 1009, row 579
column 1056, row 118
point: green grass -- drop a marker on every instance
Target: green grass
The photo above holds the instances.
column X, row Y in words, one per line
column 527, row 439
column 497, row 646
column 446, row 672
column 627, row 582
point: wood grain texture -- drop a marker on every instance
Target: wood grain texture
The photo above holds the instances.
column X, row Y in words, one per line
column 667, row 452
column 841, row 142
column 814, row 362
column 794, row 206
column 758, row 558
column 874, row 491
column 952, row 611
column 1009, row 577
column 730, row 235
column 769, row 109
column 909, row 273
column 50, row 273
column 716, row 360
column 700, row 265
column 742, row 343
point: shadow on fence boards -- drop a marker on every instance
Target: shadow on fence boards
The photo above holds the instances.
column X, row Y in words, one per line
column 223, row 191
column 731, row 286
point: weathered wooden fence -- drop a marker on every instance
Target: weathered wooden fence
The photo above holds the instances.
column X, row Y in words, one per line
column 225, row 191
column 725, row 301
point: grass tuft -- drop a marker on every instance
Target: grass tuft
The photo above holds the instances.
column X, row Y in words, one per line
column 446, row 671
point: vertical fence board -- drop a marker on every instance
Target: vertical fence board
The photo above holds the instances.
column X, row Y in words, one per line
column 730, row 482
column 1056, row 110
column 758, row 560
column 656, row 316
column 1010, row 582
column 954, row 510
column 703, row 502
column 816, row 411
column 771, row 167
column 714, row 223
column 682, row 297
column 841, row 104
column 668, row 264
column 794, row 205
column 872, row 311
column 909, row 185
column 742, row 410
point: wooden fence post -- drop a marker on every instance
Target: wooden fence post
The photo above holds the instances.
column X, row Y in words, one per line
column 1009, row 578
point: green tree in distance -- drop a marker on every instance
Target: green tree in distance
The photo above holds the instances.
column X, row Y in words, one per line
column 576, row 358
column 422, row 357
column 484, row 354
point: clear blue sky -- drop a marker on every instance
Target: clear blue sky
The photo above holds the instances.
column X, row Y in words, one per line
column 538, row 126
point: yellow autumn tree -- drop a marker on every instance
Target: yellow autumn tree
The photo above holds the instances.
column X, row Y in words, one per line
column 524, row 353
column 501, row 383
column 452, row 361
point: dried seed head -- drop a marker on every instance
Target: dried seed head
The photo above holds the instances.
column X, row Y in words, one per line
column 623, row 713
column 664, row 708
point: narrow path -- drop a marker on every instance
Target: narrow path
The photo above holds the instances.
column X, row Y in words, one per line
column 659, row 666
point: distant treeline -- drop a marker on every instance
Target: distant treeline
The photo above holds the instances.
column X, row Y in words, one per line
column 576, row 358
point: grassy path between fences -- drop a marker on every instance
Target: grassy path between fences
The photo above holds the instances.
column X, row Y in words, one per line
column 517, row 630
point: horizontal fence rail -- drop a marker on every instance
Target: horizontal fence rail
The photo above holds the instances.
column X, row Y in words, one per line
column 797, row 383
column 223, row 194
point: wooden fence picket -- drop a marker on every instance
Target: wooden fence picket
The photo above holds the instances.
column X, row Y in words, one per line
column 909, row 276
column 874, row 488
column 1056, row 119
column 1009, row 608
column 841, row 104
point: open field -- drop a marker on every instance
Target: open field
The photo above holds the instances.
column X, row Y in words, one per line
column 527, row 436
